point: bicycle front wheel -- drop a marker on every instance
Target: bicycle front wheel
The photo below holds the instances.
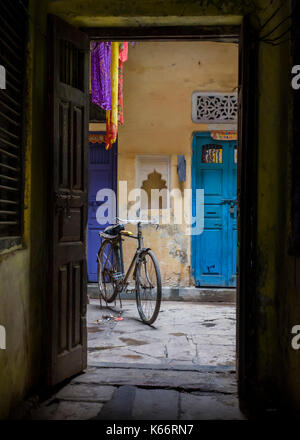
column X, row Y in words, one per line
column 109, row 272
column 148, row 287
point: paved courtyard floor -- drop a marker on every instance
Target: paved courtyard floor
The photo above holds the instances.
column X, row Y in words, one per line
column 143, row 394
column 182, row 368
column 184, row 334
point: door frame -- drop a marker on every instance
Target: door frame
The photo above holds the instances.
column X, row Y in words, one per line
column 244, row 35
column 247, row 166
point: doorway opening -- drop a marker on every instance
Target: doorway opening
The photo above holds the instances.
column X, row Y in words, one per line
column 159, row 154
column 171, row 143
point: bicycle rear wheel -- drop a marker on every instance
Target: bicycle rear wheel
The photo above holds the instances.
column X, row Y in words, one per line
column 109, row 273
column 148, row 287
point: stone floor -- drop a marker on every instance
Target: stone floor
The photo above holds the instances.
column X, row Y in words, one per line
column 182, row 368
column 184, row 334
column 129, row 393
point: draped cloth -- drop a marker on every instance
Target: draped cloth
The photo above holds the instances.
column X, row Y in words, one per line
column 112, row 115
column 100, row 74
column 123, row 52
column 181, row 167
column 123, row 56
column 222, row 135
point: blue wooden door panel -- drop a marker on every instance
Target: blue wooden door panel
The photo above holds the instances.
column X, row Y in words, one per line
column 211, row 259
column 102, row 175
column 214, row 251
column 93, row 247
column 211, row 269
column 99, row 179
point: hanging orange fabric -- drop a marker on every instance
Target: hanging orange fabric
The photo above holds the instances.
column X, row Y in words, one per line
column 112, row 115
column 123, row 56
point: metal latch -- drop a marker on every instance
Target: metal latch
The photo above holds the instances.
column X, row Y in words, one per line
column 63, row 202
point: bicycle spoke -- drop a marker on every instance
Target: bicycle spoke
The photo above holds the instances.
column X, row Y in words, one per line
column 108, row 267
column 108, row 256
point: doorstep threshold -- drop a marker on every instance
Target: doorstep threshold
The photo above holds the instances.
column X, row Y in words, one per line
column 143, row 366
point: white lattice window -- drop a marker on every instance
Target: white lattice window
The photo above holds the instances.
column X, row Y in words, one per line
column 214, row 108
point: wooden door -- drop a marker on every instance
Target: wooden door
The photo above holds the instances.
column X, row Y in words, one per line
column 214, row 251
column 68, row 165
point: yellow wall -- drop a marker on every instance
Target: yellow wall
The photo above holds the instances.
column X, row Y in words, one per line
column 14, row 299
column 159, row 79
column 23, row 270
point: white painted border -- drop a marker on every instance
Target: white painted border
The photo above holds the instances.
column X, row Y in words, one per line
column 144, row 158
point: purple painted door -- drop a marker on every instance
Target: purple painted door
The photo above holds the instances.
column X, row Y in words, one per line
column 102, row 174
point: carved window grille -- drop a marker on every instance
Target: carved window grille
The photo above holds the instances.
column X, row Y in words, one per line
column 214, row 108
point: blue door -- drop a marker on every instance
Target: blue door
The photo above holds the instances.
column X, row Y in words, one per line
column 102, row 174
column 214, row 169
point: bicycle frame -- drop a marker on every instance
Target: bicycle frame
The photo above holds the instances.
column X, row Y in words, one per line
column 119, row 280
column 140, row 249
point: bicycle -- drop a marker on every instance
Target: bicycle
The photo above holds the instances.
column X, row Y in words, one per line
column 113, row 281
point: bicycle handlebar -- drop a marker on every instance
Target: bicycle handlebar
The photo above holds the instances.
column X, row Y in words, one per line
column 134, row 221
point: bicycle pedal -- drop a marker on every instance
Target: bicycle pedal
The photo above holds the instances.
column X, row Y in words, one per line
column 117, row 276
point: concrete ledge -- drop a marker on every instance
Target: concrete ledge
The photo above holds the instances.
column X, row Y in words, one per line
column 204, row 295
column 142, row 366
column 199, row 294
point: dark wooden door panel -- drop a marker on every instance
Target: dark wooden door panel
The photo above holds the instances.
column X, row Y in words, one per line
column 295, row 161
column 69, row 105
column 246, row 209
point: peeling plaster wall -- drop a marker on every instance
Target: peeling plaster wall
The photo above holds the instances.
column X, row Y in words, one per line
column 159, row 79
column 22, row 270
column 278, row 303
column 148, row 12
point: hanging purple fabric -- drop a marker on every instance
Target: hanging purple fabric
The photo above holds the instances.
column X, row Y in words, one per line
column 100, row 74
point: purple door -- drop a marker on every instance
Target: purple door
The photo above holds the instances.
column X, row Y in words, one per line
column 102, row 174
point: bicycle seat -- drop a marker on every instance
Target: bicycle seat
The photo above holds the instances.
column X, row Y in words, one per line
column 114, row 230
